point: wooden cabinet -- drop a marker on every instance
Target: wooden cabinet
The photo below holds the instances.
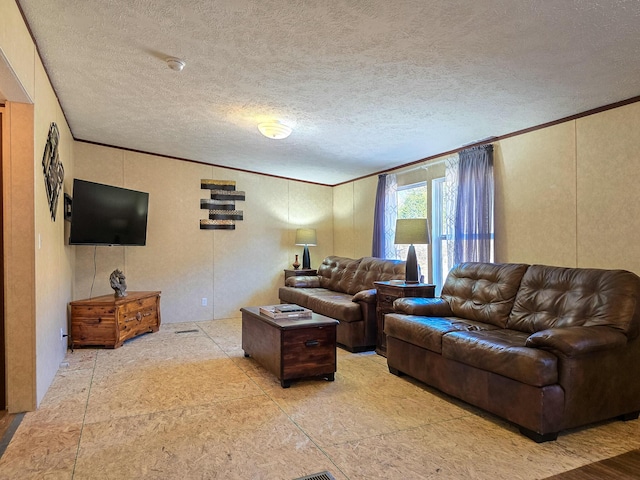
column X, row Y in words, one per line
column 290, row 348
column 109, row 321
column 387, row 292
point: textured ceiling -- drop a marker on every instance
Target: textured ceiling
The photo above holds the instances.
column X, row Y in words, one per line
column 367, row 85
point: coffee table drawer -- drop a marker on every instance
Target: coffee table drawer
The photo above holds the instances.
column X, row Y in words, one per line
column 308, row 352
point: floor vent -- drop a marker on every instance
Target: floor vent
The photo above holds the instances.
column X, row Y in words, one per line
column 318, row 476
column 195, row 330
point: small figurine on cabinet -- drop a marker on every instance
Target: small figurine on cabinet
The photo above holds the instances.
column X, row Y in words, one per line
column 118, row 283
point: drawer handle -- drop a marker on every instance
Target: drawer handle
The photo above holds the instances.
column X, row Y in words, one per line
column 138, row 316
column 312, row 343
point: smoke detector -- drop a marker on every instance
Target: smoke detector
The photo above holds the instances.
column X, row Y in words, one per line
column 175, row 64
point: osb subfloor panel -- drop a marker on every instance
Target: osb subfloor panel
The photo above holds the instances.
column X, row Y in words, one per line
column 191, row 406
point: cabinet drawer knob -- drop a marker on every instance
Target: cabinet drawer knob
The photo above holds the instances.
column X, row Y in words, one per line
column 312, row 343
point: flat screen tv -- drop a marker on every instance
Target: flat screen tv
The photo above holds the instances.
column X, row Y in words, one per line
column 107, row 215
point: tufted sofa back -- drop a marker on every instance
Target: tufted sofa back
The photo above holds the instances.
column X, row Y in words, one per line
column 483, row 292
column 336, row 273
column 373, row 269
column 346, row 275
column 556, row 297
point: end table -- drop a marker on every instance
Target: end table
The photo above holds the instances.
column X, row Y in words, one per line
column 387, row 292
column 289, row 272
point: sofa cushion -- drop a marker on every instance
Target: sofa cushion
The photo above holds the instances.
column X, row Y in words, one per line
column 502, row 351
column 325, row 302
column 427, row 332
column 335, row 305
column 484, row 292
column 336, row 273
column 298, row 296
column 373, row 269
column 558, row 297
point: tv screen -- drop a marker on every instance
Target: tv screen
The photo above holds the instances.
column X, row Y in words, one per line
column 107, row 215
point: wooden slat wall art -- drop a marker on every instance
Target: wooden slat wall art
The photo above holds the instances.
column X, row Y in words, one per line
column 221, row 205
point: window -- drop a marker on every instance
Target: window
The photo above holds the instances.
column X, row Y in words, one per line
column 441, row 238
column 413, row 203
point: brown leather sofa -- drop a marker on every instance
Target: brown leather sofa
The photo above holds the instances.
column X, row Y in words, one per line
column 344, row 290
column 546, row 348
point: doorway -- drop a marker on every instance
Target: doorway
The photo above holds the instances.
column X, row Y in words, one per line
column 3, row 383
column 3, row 378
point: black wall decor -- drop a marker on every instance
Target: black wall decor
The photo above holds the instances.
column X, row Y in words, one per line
column 52, row 169
column 221, row 205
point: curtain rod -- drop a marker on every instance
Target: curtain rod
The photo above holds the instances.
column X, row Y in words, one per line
column 425, row 165
column 433, row 163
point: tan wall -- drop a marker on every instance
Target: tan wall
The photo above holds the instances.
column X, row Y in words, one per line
column 535, row 208
column 364, row 195
column 353, row 209
column 565, row 195
column 41, row 260
column 17, row 47
column 344, row 243
column 608, row 176
column 54, row 260
column 231, row 269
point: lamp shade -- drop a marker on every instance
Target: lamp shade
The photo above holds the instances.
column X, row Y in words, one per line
column 306, row 236
column 412, row 231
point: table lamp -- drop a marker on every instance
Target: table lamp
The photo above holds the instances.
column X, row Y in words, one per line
column 410, row 231
column 306, row 237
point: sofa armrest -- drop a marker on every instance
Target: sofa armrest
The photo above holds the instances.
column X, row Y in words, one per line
column 304, row 281
column 573, row 341
column 427, row 307
column 367, row 296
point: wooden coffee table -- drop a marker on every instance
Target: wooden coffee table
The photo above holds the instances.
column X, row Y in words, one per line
column 290, row 348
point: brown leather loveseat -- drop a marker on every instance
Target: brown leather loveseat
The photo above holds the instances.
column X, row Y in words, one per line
column 547, row 348
column 344, row 290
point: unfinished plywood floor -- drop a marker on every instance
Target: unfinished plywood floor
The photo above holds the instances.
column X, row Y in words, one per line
column 189, row 405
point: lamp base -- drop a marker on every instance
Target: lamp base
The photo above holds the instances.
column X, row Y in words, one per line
column 411, row 269
column 306, row 259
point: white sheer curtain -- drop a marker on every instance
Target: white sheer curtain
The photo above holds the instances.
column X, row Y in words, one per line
column 450, row 196
column 444, row 191
column 390, row 215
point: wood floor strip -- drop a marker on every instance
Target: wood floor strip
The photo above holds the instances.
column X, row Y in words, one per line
column 9, row 424
column 622, row 467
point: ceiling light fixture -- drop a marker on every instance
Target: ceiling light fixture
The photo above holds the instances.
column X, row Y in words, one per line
column 175, row 63
column 274, row 129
